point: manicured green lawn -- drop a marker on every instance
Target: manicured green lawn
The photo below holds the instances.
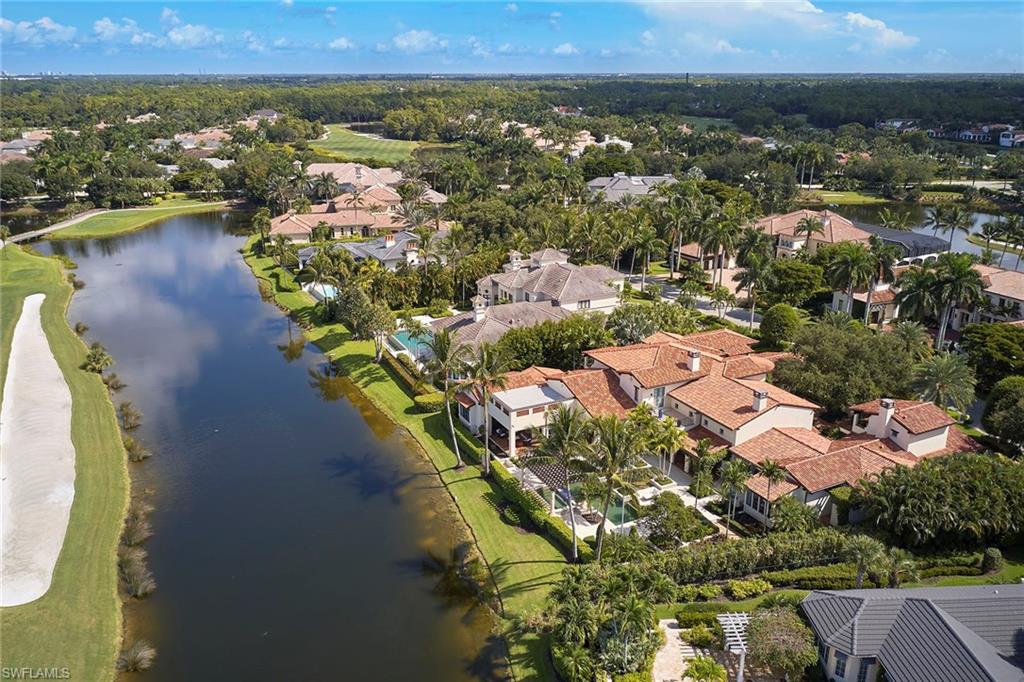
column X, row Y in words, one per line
column 702, row 123
column 77, row 623
column 341, row 140
column 980, row 241
column 131, row 219
column 821, row 196
column 524, row 564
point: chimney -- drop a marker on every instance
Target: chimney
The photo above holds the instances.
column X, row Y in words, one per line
column 760, row 400
column 887, row 408
column 693, row 360
column 479, row 307
column 389, row 239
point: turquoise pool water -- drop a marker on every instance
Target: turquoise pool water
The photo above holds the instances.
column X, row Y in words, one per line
column 417, row 346
column 616, row 513
column 325, row 290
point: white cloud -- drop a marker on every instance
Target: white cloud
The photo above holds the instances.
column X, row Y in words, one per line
column 876, row 34
column 553, row 19
column 281, row 42
column 506, row 48
column 127, row 30
column 38, row 32
column 287, row 3
column 565, row 50
column 737, row 12
column 512, row 7
column 169, row 18
column 341, row 43
column 253, row 42
column 701, row 43
column 477, row 47
column 415, row 41
column 189, row 36
column 647, row 38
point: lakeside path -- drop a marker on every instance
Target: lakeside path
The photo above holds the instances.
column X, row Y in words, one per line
column 524, row 564
column 103, row 222
column 77, row 623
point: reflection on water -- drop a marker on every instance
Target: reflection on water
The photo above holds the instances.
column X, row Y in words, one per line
column 870, row 213
column 297, row 530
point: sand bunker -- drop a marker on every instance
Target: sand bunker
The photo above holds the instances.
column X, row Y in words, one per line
column 37, row 462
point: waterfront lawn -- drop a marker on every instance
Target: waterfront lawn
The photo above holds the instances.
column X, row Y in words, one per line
column 118, row 222
column 77, row 623
column 524, row 565
column 821, row 196
column 341, row 140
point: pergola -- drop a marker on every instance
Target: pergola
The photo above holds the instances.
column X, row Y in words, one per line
column 734, row 625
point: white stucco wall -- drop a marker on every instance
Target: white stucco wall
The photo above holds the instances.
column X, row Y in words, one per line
column 780, row 415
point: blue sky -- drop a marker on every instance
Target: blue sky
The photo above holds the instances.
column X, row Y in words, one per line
column 294, row 36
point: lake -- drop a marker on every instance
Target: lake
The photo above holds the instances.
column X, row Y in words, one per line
column 293, row 523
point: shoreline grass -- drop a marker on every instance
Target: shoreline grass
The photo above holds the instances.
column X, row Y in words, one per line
column 77, row 623
column 850, row 198
column 114, row 223
column 524, row 565
column 995, row 246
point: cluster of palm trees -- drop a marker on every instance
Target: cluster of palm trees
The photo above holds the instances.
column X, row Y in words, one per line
column 859, row 266
column 938, row 287
column 1009, row 231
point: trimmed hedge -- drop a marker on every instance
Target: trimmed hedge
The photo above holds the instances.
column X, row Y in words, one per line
column 411, row 384
column 835, row 577
column 745, row 589
column 536, row 510
column 949, row 570
column 429, row 402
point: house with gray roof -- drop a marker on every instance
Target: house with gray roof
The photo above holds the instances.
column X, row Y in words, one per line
column 548, row 276
column 392, row 250
column 938, row 634
column 616, row 187
column 916, row 247
column 490, row 323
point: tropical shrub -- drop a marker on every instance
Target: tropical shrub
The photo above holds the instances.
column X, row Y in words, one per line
column 689, row 619
column 792, row 515
column 745, row 589
column 981, row 499
column 834, row 577
column 510, row 515
column 780, row 325
column 704, row 636
column 573, row 663
column 439, row 307
column 669, row 522
column 136, row 658
column 779, row 638
column 429, row 402
column 992, row 561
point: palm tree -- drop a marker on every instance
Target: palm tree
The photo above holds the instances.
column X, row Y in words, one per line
column 896, row 565
column 705, row 669
column 851, row 268
column 917, row 294
column 862, row 551
column 754, row 243
column 946, row 380
column 425, row 242
column 446, row 360
column 564, row 445
column 97, row 359
column 632, row 615
column 756, row 274
column 957, row 283
column 914, row 337
column 261, row 222
column 485, row 369
column 884, row 257
column 317, row 271
column 647, row 242
column 667, row 439
column 774, row 473
column 959, row 221
column 895, row 220
column 721, row 298
column 809, row 226
column 324, row 185
column 734, row 475
column 937, row 218
column 613, row 461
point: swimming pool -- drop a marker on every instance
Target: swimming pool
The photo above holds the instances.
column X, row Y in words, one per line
column 417, row 346
column 322, row 291
column 617, row 514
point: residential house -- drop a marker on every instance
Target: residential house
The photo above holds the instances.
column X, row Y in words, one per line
column 547, row 275
column 395, row 249
column 939, row 634
column 207, row 138
column 900, row 125
column 568, row 111
column 1011, row 138
column 142, row 118
column 20, row 146
column 356, row 174
column 617, row 141
column 788, row 243
column 620, row 185
column 892, row 433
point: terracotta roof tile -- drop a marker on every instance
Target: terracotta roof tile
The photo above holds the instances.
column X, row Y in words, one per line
column 915, row 415
column 758, row 484
column 598, row 391
column 730, row 401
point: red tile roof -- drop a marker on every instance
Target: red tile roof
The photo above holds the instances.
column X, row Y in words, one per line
column 915, row 415
column 730, row 401
column 837, row 228
column 723, row 342
column 758, row 484
column 598, row 392
column 700, row 433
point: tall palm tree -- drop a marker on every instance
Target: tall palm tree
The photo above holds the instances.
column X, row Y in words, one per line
column 884, row 257
column 895, row 220
column 324, row 185
column 753, row 243
column 734, row 475
column 564, row 445
column 425, row 241
column 484, row 369
column 851, row 268
column 808, row 227
column 756, row 274
column 774, row 473
column 613, row 461
column 937, row 218
column 667, row 439
column 946, row 380
column 318, row 272
column 632, row 616
column 957, row 283
column 261, row 222
column 647, row 242
column 896, row 565
column 862, row 551
column 959, row 220
column 446, row 360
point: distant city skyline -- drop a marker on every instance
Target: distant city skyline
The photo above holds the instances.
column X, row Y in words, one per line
column 292, row 36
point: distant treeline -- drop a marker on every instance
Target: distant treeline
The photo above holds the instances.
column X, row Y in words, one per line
column 192, row 102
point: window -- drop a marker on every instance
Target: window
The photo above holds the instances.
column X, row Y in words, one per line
column 522, row 413
column 583, row 305
column 463, row 412
column 893, row 432
column 865, row 667
column 840, row 668
column 659, row 396
column 636, row 394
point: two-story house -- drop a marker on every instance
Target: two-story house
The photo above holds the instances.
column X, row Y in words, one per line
column 547, row 275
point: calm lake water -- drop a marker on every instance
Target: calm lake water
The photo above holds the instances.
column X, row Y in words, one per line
column 293, row 523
